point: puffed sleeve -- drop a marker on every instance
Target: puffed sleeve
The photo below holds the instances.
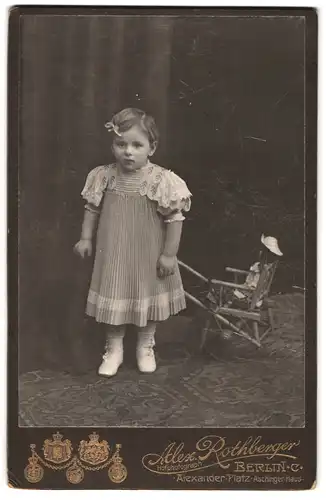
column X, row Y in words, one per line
column 94, row 188
column 173, row 197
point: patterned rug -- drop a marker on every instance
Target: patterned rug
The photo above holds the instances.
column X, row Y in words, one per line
column 233, row 384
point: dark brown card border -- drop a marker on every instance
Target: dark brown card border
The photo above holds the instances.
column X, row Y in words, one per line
column 138, row 442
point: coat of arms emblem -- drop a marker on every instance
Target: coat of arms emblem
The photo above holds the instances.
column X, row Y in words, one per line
column 33, row 471
column 56, row 450
column 93, row 455
column 117, row 471
column 93, row 451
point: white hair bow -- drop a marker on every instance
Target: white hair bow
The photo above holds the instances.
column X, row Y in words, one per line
column 112, row 128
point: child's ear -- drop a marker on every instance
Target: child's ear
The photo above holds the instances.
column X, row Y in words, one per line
column 153, row 149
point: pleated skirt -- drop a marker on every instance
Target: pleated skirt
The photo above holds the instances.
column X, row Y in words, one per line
column 125, row 288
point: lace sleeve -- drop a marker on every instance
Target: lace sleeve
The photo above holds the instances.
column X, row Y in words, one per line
column 173, row 197
column 95, row 186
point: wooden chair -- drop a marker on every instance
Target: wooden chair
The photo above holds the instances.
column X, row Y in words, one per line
column 250, row 316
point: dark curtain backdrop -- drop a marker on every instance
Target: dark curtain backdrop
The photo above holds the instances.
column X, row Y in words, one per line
column 228, row 96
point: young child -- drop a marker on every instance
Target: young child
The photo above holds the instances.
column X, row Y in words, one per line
column 136, row 279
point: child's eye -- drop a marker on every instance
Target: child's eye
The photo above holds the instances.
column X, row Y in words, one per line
column 138, row 145
column 120, row 144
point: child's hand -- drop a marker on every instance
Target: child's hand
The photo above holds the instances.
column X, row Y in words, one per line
column 83, row 247
column 165, row 266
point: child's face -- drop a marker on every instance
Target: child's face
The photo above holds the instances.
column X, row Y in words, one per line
column 132, row 149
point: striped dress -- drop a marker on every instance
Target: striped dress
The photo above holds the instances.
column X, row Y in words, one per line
column 135, row 208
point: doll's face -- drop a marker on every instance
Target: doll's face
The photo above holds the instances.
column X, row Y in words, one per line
column 132, row 149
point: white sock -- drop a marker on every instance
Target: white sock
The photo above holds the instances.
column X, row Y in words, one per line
column 114, row 337
column 146, row 335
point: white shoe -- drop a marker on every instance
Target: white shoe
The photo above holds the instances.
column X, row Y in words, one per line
column 113, row 356
column 146, row 359
column 110, row 364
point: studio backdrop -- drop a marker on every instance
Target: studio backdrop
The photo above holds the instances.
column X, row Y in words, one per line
column 228, row 97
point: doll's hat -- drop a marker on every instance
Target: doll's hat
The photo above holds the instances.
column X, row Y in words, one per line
column 271, row 243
